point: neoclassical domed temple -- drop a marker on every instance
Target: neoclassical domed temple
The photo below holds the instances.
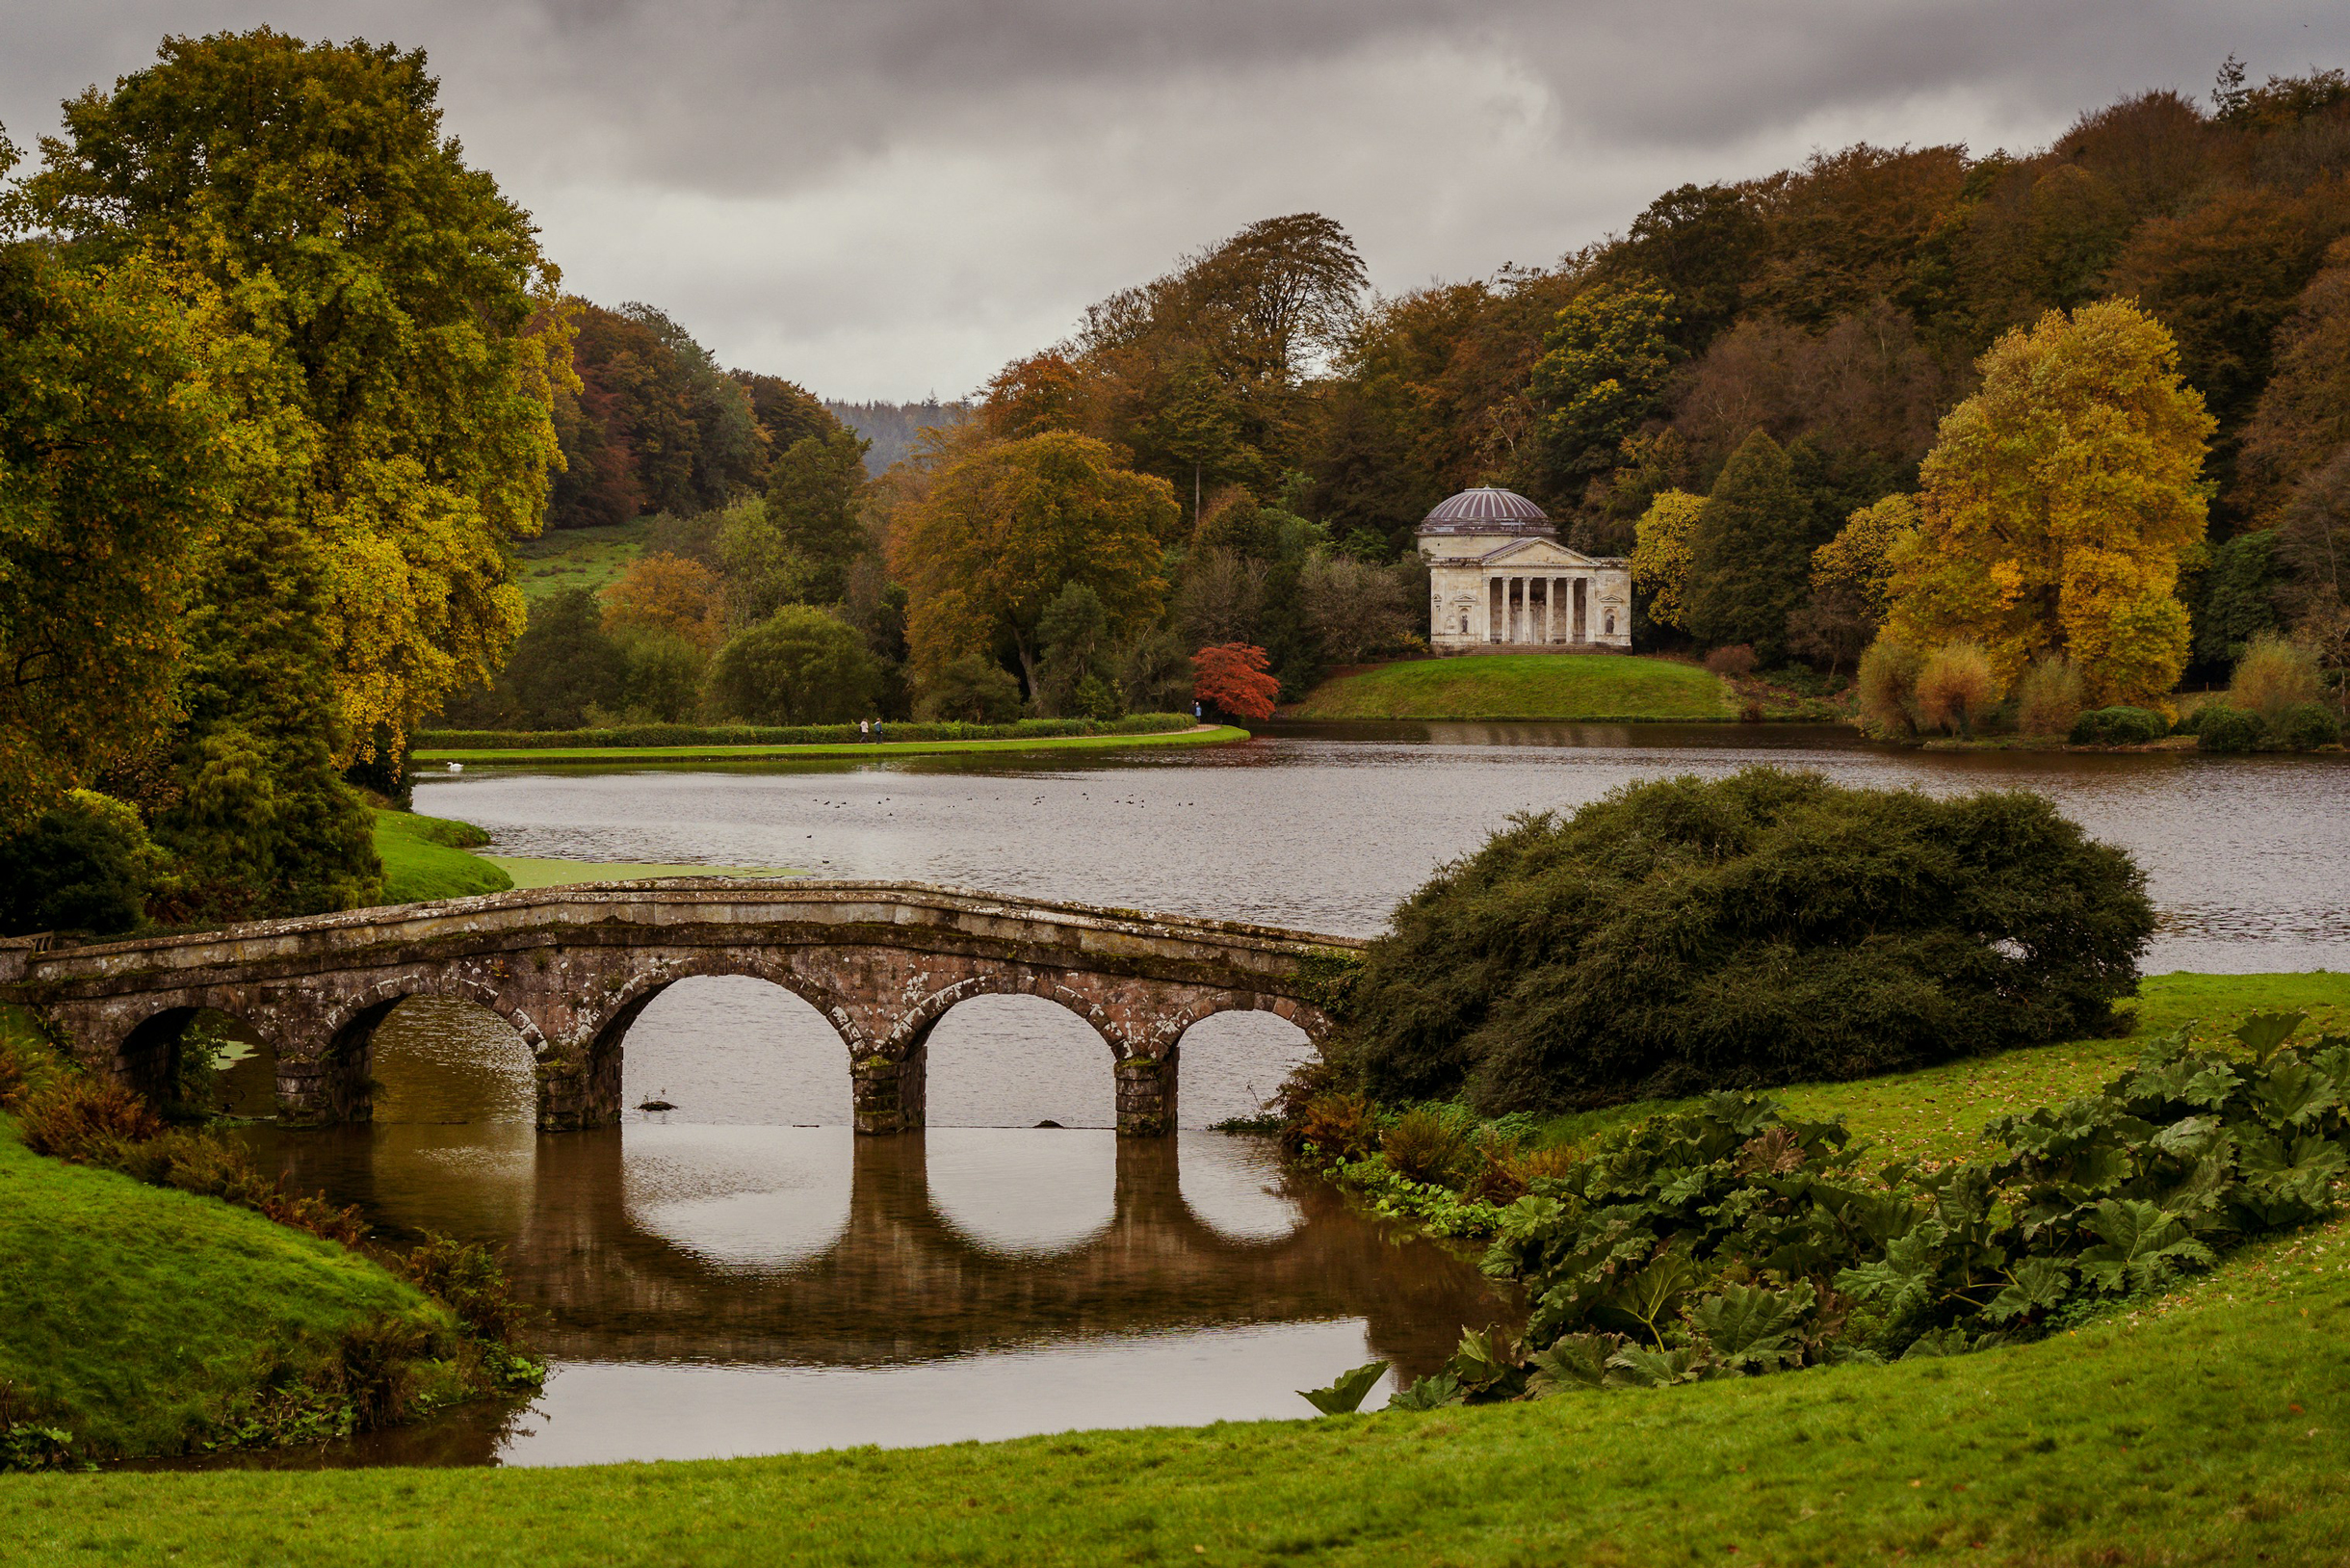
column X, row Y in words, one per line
column 1500, row 582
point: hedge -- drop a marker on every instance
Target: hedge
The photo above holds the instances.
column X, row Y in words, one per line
column 652, row 735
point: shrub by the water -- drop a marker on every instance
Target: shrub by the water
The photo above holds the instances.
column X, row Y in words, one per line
column 2304, row 727
column 2223, row 728
column 1885, row 688
column 2118, row 727
column 1764, row 928
column 2049, row 697
column 1732, row 662
column 2274, row 674
column 1956, row 687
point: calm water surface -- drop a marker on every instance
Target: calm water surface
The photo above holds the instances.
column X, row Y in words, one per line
column 741, row 1275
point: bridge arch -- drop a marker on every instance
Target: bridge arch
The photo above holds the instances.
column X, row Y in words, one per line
column 882, row 961
column 1229, row 1062
column 912, row 1031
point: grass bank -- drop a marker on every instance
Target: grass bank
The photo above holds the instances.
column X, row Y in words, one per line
column 1938, row 1113
column 1590, row 687
column 142, row 1320
column 426, row 858
column 2204, row 1428
column 536, row 756
column 429, row 857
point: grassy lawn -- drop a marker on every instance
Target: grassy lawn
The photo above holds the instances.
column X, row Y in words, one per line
column 573, row 558
column 532, row 757
column 1582, row 686
column 425, row 857
column 2204, row 1426
column 1938, row 1113
column 525, row 872
column 139, row 1318
column 2204, row 1429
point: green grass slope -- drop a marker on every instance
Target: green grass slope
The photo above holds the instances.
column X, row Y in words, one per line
column 2206, row 1429
column 573, row 558
column 2201, row 1428
column 139, row 1318
column 425, row 857
column 1593, row 687
column 1938, row 1113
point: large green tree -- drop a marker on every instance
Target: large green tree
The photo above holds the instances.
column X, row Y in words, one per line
column 1750, row 552
column 1602, row 373
column 405, row 300
column 111, row 430
column 799, row 546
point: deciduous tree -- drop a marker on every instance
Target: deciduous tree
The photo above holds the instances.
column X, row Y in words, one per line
column 669, row 594
column 403, row 300
column 1006, row 526
column 1602, row 372
column 110, row 469
column 1664, row 542
column 2059, row 504
column 799, row 666
column 1236, row 678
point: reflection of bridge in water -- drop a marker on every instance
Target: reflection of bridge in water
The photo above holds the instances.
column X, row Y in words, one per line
column 903, row 1282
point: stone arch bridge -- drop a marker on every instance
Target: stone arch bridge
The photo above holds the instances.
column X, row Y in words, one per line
column 570, row 968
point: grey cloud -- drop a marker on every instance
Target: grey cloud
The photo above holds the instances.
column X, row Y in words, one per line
column 887, row 198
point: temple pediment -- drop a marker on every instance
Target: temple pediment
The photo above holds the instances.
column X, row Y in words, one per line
column 1534, row 554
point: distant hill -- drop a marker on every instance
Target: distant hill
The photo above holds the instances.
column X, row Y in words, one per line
column 892, row 426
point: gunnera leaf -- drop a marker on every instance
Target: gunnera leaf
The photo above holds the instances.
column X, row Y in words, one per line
column 1344, row 1397
column 1429, row 1393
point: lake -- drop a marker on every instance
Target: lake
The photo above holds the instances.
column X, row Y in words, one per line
column 739, row 1275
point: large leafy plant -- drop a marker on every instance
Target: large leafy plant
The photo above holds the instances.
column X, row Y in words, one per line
column 1732, row 1240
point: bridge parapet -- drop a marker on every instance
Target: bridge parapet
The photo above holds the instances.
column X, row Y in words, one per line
column 570, row 968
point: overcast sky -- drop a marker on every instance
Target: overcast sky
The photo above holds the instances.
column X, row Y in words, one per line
column 889, row 198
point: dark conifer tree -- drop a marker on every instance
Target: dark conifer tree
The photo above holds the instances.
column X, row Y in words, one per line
column 1751, row 561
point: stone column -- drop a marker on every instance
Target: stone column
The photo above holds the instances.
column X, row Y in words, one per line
column 1583, row 609
column 1146, row 1095
column 1550, row 604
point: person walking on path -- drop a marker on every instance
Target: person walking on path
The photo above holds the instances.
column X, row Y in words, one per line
column 865, row 729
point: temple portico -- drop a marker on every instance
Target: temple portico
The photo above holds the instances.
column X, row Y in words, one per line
column 1499, row 580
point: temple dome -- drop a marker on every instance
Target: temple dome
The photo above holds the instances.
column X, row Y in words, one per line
column 1487, row 511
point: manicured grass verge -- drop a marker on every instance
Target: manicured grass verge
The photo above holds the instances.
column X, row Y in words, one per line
column 532, row 757
column 424, row 857
column 2206, row 1429
column 140, row 1320
column 1591, row 687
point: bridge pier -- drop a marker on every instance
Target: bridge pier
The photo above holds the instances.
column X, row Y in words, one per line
column 1146, row 1095
column 887, row 1097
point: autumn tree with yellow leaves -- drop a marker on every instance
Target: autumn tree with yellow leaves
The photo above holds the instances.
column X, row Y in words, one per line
column 401, row 329
column 2058, row 505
